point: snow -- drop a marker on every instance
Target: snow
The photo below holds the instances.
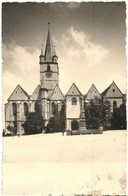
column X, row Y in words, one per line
column 56, row 164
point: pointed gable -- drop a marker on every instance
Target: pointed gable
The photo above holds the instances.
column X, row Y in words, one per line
column 57, row 94
column 112, row 91
column 34, row 95
column 92, row 93
column 73, row 91
column 19, row 94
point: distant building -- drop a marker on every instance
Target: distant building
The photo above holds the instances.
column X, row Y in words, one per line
column 49, row 99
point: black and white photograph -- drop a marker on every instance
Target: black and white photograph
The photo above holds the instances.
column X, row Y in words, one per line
column 64, row 98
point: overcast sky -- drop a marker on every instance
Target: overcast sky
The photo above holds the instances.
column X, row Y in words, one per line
column 89, row 39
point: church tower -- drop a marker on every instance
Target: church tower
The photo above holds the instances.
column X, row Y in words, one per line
column 49, row 71
column 43, row 100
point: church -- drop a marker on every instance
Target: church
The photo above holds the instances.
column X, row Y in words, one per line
column 49, row 99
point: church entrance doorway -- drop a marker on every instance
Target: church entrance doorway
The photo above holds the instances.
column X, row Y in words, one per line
column 74, row 125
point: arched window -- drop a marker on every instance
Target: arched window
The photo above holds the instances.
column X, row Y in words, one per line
column 25, row 109
column 74, row 101
column 114, row 105
column 48, row 68
column 53, row 108
column 37, row 106
column 14, row 109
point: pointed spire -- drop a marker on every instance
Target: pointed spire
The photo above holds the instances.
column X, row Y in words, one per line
column 49, row 50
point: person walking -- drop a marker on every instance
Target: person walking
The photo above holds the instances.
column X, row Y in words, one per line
column 62, row 132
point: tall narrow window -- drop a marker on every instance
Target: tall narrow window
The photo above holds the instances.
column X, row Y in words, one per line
column 37, row 106
column 114, row 105
column 74, row 101
column 48, row 68
column 14, row 109
column 53, row 108
column 25, row 109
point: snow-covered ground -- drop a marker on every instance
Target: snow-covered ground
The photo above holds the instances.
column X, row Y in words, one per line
column 56, row 164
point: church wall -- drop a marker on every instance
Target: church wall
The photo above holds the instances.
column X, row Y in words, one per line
column 53, row 66
column 119, row 101
column 72, row 111
column 44, row 109
column 43, row 67
column 50, row 82
column 8, row 112
column 9, row 117
column 32, row 106
column 69, row 122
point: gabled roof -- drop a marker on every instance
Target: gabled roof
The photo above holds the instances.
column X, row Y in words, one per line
column 92, row 93
column 35, row 94
column 112, row 91
column 19, row 94
column 57, row 94
column 73, row 90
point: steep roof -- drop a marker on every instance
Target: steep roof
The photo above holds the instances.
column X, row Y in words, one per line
column 112, row 91
column 57, row 94
column 19, row 94
column 92, row 93
column 35, row 93
column 73, row 90
column 49, row 50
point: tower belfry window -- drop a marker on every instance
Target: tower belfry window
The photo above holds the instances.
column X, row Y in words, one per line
column 48, row 68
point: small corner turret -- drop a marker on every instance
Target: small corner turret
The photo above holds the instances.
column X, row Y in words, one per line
column 54, row 57
column 41, row 57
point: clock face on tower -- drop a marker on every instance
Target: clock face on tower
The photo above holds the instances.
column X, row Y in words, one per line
column 48, row 74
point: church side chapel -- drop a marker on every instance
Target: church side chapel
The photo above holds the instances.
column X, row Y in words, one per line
column 47, row 103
